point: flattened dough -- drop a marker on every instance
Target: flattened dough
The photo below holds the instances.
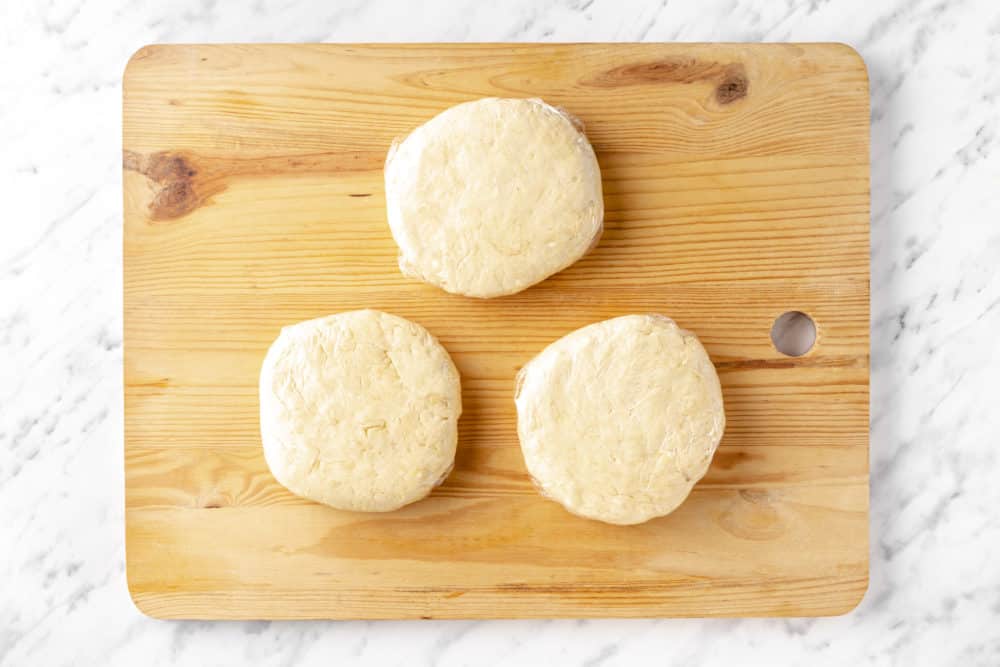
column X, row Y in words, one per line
column 359, row 410
column 619, row 419
column 493, row 196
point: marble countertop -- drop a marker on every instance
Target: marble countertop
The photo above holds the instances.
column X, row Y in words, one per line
column 934, row 596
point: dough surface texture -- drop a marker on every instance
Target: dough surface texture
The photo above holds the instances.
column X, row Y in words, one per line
column 359, row 410
column 619, row 419
column 492, row 196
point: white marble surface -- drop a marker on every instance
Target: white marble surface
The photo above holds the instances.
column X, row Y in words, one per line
column 935, row 569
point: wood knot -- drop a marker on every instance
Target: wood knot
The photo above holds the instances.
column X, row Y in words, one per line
column 754, row 514
column 167, row 167
column 178, row 185
column 734, row 85
column 667, row 70
column 174, row 200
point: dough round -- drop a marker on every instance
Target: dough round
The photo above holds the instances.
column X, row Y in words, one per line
column 493, row 196
column 619, row 419
column 359, row 410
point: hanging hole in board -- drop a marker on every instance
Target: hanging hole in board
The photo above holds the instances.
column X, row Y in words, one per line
column 793, row 333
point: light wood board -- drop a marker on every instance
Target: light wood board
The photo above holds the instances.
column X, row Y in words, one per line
column 736, row 181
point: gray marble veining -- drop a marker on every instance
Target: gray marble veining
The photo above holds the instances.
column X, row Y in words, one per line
column 934, row 597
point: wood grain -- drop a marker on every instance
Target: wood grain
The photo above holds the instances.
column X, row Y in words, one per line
column 736, row 183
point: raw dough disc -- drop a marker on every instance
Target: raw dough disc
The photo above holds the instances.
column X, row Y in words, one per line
column 359, row 410
column 619, row 419
column 493, row 196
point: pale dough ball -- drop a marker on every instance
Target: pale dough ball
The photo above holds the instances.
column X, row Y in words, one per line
column 619, row 419
column 359, row 410
column 493, row 196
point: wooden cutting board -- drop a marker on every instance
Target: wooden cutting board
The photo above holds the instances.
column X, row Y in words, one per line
column 736, row 181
